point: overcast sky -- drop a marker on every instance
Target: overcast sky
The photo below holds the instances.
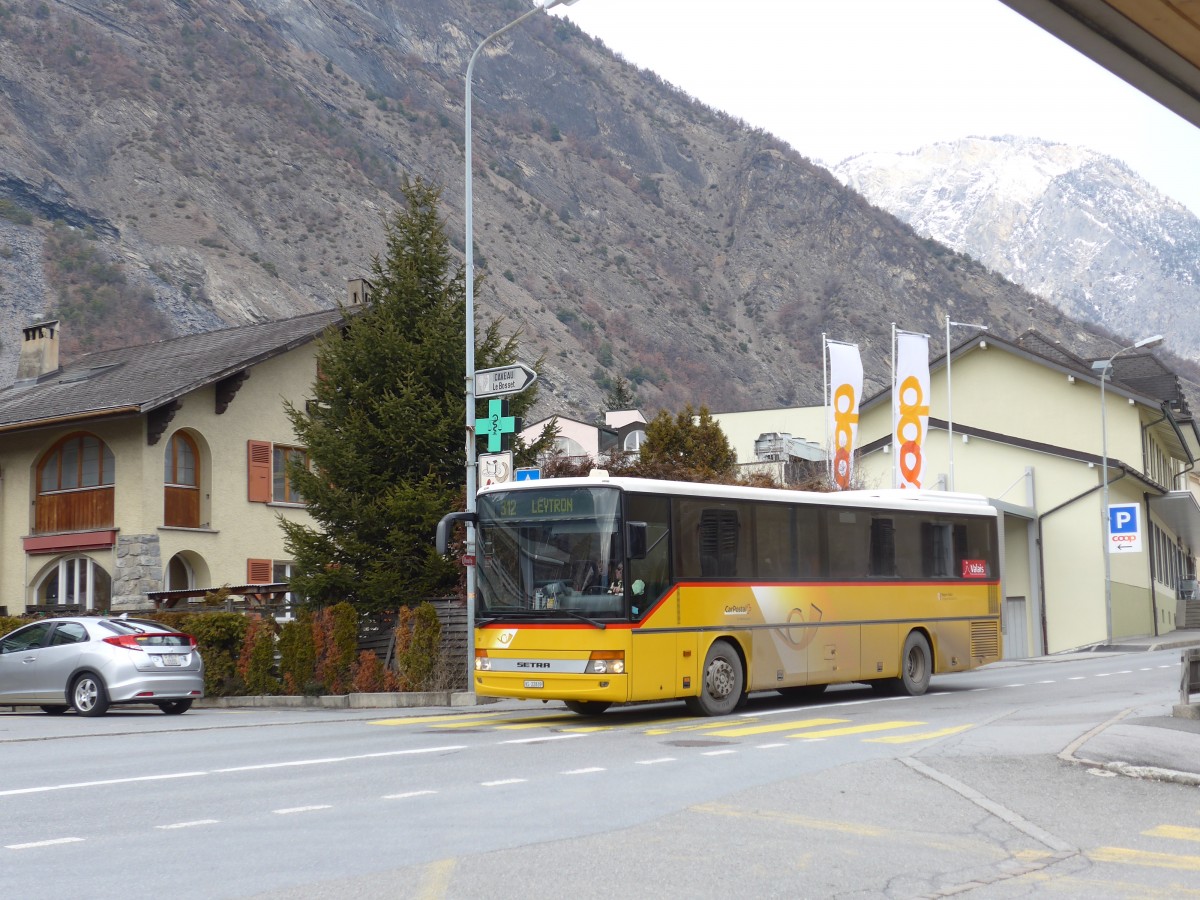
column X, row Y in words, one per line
column 838, row 77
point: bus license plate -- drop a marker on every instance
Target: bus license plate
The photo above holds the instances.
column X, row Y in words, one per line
column 534, row 684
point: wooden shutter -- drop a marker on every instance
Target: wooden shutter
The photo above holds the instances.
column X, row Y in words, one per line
column 258, row 571
column 259, row 472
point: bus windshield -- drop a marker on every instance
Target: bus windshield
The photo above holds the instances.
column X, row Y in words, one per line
column 550, row 553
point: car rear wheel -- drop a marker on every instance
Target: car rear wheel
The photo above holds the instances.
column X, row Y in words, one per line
column 175, row 707
column 89, row 696
column 54, row 710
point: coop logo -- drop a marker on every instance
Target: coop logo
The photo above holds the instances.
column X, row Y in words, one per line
column 908, row 432
column 845, row 418
column 974, row 568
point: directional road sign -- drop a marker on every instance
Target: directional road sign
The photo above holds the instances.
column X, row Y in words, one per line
column 503, row 380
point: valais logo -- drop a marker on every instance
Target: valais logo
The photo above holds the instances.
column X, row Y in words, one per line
column 974, row 568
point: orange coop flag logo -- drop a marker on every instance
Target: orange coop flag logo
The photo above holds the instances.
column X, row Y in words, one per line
column 845, row 388
column 910, row 408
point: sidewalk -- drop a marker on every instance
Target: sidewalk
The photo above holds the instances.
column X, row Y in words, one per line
column 1163, row 747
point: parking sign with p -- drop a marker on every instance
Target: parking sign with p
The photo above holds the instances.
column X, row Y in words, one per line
column 1124, row 528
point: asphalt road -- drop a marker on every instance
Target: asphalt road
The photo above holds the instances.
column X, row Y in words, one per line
column 961, row 792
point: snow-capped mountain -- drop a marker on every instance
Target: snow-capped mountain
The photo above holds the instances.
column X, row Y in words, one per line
column 1075, row 227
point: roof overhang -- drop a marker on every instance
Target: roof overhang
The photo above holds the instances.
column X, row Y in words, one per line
column 1154, row 45
column 1180, row 512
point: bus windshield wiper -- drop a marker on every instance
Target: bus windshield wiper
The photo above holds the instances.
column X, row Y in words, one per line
column 582, row 618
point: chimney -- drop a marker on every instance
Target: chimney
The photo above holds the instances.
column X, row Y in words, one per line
column 39, row 350
column 357, row 290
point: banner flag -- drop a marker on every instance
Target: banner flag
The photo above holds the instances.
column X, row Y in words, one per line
column 845, row 388
column 910, row 408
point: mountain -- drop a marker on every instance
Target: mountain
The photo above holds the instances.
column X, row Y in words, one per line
column 168, row 166
column 1076, row 228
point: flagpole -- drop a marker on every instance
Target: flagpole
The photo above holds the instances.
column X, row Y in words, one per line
column 895, row 401
column 828, row 405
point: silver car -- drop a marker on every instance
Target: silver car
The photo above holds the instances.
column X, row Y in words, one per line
column 89, row 663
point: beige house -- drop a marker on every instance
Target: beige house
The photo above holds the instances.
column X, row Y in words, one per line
column 150, row 468
column 1026, row 433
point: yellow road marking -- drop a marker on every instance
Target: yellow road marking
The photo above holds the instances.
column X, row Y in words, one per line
column 718, row 809
column 432, row 720
column 436, row 883
column 1179, row 832
column 1145, row 858
column 775, row 726
column 910, row 738
column 854, row 729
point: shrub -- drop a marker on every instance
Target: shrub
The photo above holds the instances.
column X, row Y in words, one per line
column 219, row 636
column 298, row 656
column 256, row 660
column 335, row 634
column 418, row 645
column 11, row 623
column 370, row 677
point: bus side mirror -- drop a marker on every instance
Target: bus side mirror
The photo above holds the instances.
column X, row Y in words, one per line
column 635, row 539
column 444, row 526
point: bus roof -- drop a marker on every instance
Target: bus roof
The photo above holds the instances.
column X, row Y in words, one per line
column 939, row 501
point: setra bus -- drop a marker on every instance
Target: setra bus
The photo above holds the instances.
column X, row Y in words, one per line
column 603, row 590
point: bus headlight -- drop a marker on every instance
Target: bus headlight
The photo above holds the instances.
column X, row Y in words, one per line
column 482, row 662
column 606, row 662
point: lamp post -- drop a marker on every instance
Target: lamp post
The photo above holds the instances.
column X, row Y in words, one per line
column 472, row 469
column 1104, row 367
column 950, row 401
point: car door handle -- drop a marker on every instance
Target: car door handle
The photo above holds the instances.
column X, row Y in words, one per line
column 29, row 659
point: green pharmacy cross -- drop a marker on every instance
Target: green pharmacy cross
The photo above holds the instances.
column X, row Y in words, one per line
column 495, row 425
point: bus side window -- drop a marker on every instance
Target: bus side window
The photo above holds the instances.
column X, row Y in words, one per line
column 648, row 577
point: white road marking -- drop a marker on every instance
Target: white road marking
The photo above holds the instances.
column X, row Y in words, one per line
column 502, row 781
column 587, row 771
column 187, row 824
column 34, row 844
column 655, row 762
column 86, row 784
column 538, row 740
column 333, row 759
column 407, row 794
column 300, row 809
column 717, row 752
column 769, row 746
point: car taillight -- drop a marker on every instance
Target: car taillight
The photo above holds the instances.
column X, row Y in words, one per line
column 128, row 641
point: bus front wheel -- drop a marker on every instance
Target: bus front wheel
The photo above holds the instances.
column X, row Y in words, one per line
column 721, row 682
column 587, row 707
column 916, row 665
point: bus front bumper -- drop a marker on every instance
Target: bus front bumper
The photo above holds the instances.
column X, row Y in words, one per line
column 605, row 688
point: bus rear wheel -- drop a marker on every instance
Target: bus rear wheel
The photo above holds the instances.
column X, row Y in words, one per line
column 587, row 707
column 721, row 682
column 916, row 665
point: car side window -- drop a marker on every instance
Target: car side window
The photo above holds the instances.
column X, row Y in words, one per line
column 68, row 633
column 29, row 638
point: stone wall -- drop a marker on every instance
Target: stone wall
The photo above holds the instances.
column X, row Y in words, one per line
column 139, row 569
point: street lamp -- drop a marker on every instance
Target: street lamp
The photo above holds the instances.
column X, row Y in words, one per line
column 950, row 401
column 1104, row 367
column 470, row 316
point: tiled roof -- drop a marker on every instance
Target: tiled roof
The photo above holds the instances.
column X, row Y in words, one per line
column 143, row 378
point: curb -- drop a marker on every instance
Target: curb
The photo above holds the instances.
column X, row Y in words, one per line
column 399, row 700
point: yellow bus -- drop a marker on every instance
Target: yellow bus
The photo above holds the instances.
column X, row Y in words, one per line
column 604, row 590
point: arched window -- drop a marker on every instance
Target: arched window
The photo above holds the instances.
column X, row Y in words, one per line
column 181, row 482
column 75, row 581
column 75, row 486
column 77, row 461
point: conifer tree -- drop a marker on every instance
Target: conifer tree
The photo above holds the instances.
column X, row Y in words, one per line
column 384, row 434
column 689, row 446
